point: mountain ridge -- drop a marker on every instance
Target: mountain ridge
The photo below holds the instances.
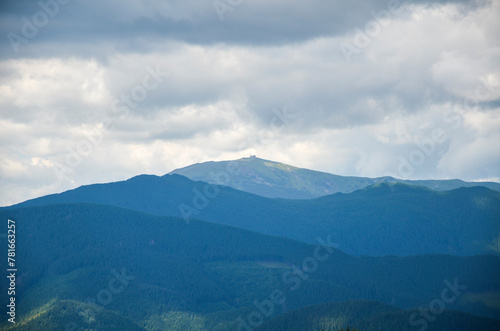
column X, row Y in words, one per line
column 382, row 219
column 389, row 249
column 273, row 179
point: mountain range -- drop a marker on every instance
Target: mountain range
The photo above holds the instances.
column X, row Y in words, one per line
column 174, row 253
column 382, row 219
column 277, row 180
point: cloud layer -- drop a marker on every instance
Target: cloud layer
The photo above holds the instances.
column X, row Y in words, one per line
column 94, row 91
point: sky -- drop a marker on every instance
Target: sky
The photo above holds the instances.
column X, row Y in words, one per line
column 98, row 91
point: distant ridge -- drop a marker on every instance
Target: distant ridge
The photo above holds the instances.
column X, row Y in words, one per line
column 278, row 180
column 382, row 219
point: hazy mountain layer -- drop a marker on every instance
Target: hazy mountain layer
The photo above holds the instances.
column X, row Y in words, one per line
column 277, row 180
column 384, row 219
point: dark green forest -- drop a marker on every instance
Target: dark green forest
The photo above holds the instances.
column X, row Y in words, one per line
column 384, row 219
column 83, row 264
column 371, row 315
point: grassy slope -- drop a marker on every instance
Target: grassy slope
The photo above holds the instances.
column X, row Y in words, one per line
column 74, row 315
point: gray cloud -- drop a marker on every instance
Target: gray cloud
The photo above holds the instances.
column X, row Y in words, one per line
column 432, row 66
column 125, row 24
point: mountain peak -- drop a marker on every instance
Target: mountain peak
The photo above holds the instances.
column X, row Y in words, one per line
column 273, row 179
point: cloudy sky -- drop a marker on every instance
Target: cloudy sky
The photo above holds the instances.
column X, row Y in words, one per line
column 99, row 91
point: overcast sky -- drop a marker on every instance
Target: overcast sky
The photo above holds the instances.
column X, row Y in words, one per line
column 103, row 90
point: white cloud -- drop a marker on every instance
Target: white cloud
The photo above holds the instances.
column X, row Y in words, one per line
column 217, row 101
